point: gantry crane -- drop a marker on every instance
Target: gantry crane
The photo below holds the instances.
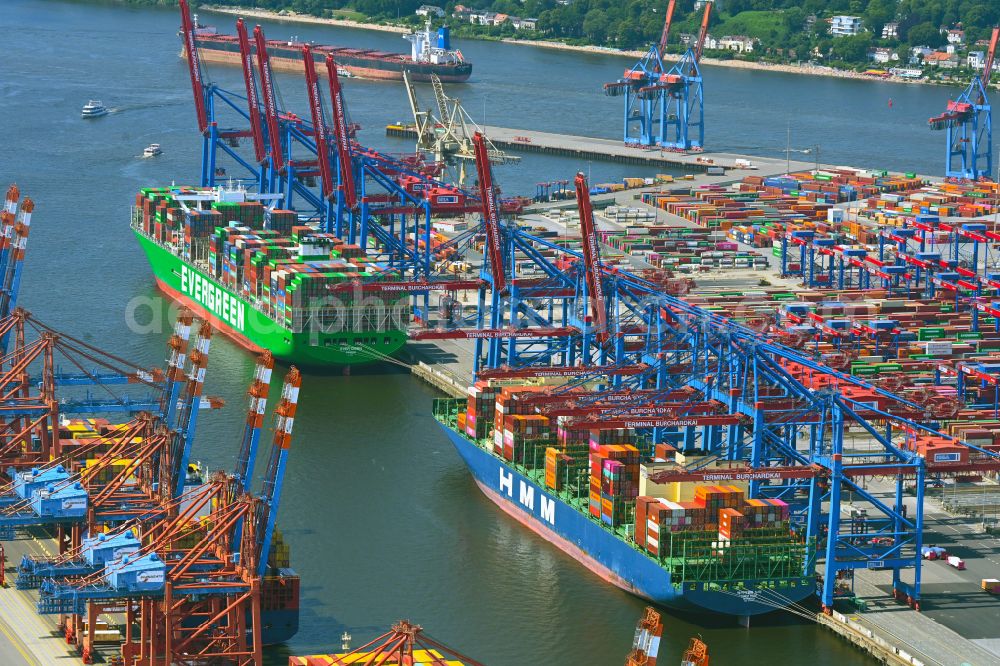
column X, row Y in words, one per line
column 665, row 107
column 448, row 136
column 968, row 120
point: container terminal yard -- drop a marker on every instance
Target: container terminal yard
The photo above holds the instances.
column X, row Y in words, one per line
column 771, row 387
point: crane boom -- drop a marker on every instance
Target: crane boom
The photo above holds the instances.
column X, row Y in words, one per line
column 194, row 66
column 284, row 419
column 425, row 132
column 591, row 258
column 270, row 105
column 188, row 418
column 319, row 127
column 564, row 371
column 703, row 32
column 258, row 392
column 343, row 136
column 662, row 47
column 246, row 61
column 178, row 345
column 492, row 333
column 491, row 212
column 988, row 69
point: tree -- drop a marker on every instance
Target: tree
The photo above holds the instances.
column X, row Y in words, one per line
column 925, row 34
column 793, row 18
column 595, row 25
column 879, row 13
column 853, row 48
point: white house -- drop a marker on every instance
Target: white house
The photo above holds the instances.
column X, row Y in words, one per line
column 907, row 72
column 523, row 23
column 917, row 53
column 845, row 25
column 429, row 10
column 881, row 55
column 956, row 36
column 737, row 43
column 890, row 31
column 976, row 59
column 481, row 17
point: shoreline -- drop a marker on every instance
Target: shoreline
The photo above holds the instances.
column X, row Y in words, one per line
column 293, row 17
column 802, row 70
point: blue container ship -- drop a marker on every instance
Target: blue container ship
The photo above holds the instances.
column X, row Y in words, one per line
column 752, row 575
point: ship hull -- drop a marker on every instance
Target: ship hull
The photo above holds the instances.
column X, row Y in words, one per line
column 601, row 551
column 255, row 331
column 378, row 70
column 279, row 625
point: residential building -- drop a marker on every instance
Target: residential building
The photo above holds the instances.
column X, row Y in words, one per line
column 907, row 72
column 976, row 59
column 482, row 17
column 956, row 36
column 881, row 55
column 430, row 10
column 737, row 43
column 845, row 25
column 941, row 59
column 890, row 31
column 918, row 53
column 686, row 38
column 524, row 23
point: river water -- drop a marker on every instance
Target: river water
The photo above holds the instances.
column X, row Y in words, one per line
column 383, row 520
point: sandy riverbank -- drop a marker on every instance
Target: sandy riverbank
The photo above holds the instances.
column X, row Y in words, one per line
column 807, row 70
column 301, row 18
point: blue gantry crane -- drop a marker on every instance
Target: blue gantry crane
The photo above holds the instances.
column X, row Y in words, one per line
column 968, row 122
column 664, row 107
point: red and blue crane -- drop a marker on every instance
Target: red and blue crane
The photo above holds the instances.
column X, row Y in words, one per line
column 968, row 125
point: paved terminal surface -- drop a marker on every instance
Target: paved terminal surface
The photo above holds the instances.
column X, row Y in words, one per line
column 25, row 636
column 959, row 623
column 615, row 150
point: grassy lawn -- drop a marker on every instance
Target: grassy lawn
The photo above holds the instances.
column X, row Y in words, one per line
column 348, row 14
column 763, row 25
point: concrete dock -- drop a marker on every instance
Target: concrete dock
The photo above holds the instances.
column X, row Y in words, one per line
column 959, row 624
column 25, row 636
column 613, row 150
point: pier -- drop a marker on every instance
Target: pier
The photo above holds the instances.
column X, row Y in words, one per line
column 612, row 150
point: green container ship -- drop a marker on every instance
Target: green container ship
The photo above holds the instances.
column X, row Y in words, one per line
column 263, row 278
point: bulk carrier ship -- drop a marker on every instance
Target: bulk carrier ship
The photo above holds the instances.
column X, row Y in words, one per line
column 430, row 53
column 263, row 279
column 721, row 552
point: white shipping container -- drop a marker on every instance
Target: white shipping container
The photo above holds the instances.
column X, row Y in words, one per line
column 938, row 347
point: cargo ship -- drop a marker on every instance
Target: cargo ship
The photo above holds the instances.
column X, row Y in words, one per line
column 430, row 53
column 263, row 279
column 721, row 553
